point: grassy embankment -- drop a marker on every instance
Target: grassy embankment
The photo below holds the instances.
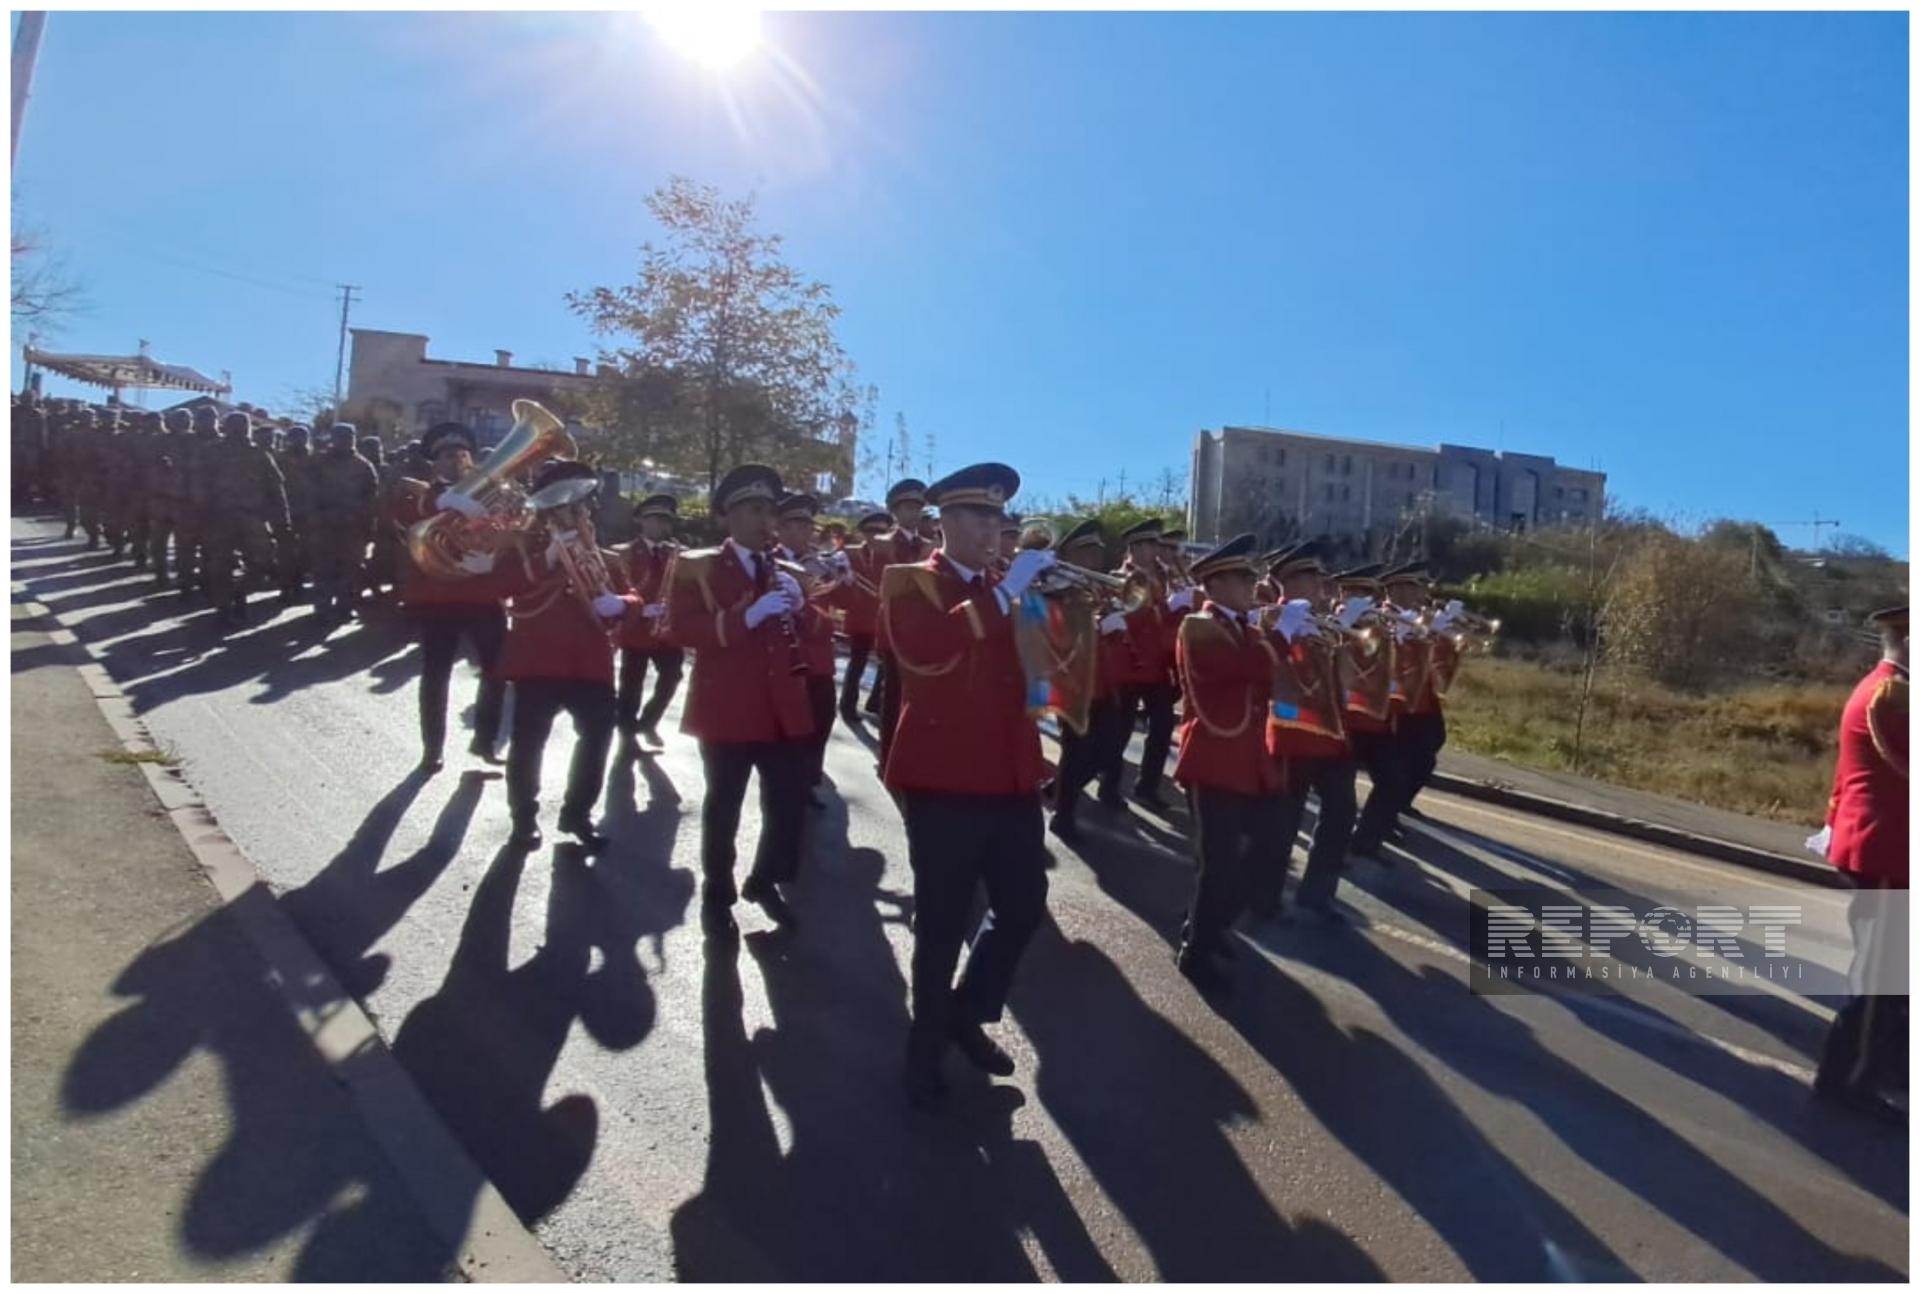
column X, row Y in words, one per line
column 1765, row 750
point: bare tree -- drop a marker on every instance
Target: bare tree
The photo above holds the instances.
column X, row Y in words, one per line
column 45, row 292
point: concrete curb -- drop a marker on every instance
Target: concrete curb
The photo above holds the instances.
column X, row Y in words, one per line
column 459, row 1204
column 1728, row 851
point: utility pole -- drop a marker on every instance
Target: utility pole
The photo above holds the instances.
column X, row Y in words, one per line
column 26, row 51
column 340, row 359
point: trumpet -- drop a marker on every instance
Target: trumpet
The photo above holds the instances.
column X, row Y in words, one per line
column 1465, row 629
column 1127, row 594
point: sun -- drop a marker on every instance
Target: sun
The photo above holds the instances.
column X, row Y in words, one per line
column 716, row 36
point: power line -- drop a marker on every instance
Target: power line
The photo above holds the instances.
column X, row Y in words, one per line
column 340, row 360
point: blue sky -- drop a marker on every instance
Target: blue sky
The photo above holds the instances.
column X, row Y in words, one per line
column 1672, row 246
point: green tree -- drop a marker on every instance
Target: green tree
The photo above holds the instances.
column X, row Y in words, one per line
column 721, row 351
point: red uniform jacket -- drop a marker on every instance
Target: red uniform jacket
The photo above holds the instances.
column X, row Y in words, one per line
column 420, row 592
column 1226, row 678
column 895, row 548
column 860, row 600
column 1868, row 810
column 1144, row 655
column 963, row 727
column 743, row 688
column 1367, row 681
column 551, row 634
column 647, row 565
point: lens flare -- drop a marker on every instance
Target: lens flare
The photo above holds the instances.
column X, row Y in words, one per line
column 716, row 36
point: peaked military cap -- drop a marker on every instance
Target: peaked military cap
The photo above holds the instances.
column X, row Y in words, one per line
column 1298, row 557
column 1086, row 532
column 796, row 504
column 983, row 485
column 1140, row 531
column 907, row 491
column 444, row 432
column 1010, row 524
column 1415, row 570
column 1175, row 536
column 877, row 521
column 657, row 505
column 1235, row 557
column 747, row 481
column 561, row 481
column 1367, row 574
column 1893, row 617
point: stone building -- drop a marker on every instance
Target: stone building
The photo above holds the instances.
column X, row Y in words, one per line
column 1358, row 493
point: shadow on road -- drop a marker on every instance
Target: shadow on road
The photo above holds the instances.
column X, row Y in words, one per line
column 296, row 1156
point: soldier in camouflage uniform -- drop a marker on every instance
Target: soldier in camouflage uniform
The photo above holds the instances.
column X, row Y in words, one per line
column 249, row 504
column 345, row 486
column 92, row 467
column 143, row 434
column 166, row 488
column 194, row 518
column 296, row 467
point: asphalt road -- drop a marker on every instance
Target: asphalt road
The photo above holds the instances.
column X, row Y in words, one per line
column 1352, row 1112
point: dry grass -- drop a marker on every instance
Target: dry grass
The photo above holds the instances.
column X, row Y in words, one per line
column 1765, row 750
column 165, row 758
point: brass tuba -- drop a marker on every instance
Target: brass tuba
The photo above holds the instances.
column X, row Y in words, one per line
column 438, row 544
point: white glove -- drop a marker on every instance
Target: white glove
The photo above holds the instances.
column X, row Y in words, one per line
column 1026, row 564
column 1821, row 841
column 1353, row 610
column 609, row 606
column 1113, row 624
column 789, row 588
column 454, row 501
column 654, row 610
column 477, row 563
column 769, row 604
column 561, row 538
column 1447, row 614
column 1181, row 601
column 842, row 568
column 1297, row 615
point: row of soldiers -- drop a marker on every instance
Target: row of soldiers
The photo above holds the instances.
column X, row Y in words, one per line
column 217, row 505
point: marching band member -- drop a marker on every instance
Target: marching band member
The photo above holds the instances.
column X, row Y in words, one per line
column 1146, row 679
column 559, row 649
column 1367, row 673
column 1009, row 543
column 1226, row 669
column 1869, row 839
column 903, row 545
column 966, row 764
column 747, row 700
column 794, row 525
column 648, row 559
column 1082, row 755
column 859, row 600
column 1306, row 740
column 1419, row 727
column 1267, row 592
column 446, row 610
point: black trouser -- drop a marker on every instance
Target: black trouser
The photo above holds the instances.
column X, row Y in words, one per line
column 820, row 698
column 1866, row 1046
column 956, row 843
column 782, row 766
column 668, row 664
column 1381, row 755
column 1158, row 699
column 859, row 648
column 1420, row 737
column 1332, row 779
column 1082, row 755
column 1229, row 830
column 889, row 703
column 440, row 632
column 535, row 702
column 882, row 667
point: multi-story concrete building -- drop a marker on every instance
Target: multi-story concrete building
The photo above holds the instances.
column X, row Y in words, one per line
column 1357, row 493
column 394, row 387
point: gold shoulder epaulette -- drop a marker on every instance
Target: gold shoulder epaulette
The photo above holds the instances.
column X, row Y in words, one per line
column 896, row 581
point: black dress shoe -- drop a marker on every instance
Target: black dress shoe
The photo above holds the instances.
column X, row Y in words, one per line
column 1861, row 1100
column 651, row 735
column 628, row 723
column 1321, row 914
column 1198, row 966
column 768, row 899
column 526, row 836
column 717, row 922
column 982, row 1052
column 1064, row 826
column 849, row 716
column 1148, row 795
column 431, row 764
column 581, row 829
column 484, row 752
column 926, row 1088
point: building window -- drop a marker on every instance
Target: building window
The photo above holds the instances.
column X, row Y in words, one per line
column 1559, row 493
column 1409, row 498
column 1346, row 465
column 1280, row 456
column 1329, row 464
column 1346, row 494
column 1329, row 493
